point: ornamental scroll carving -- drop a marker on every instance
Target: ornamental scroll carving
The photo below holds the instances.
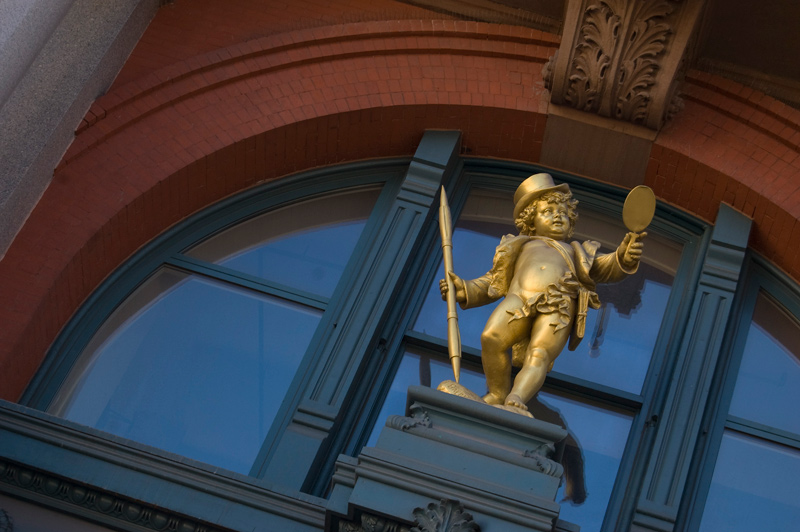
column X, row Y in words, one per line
column 619, row 58
column 418, row 418
column 542, row 455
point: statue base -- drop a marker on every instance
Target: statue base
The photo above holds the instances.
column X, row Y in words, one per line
column 495, row 470
column 454, row 388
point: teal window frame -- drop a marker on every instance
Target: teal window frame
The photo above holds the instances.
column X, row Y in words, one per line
column 505, row 176
column 759, row 277
column 409, row 197
column 168, row 249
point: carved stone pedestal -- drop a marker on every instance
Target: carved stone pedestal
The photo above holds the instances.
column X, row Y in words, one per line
column 451, row 464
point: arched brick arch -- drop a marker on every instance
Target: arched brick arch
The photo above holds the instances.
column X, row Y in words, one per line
column 155, row 150
column 735, row 145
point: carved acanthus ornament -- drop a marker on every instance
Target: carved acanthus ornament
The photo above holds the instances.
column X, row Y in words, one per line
column 619, row 58
column 444, row 516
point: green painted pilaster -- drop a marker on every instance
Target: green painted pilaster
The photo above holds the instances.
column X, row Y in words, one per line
column 347, row 345
column 678, row 423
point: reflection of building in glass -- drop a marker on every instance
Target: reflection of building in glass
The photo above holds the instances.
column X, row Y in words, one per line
column 222, row 277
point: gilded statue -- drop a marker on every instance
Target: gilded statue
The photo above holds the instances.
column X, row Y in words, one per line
column 546, row 284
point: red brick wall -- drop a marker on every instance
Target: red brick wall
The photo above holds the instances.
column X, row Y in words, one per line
column 734, row 145
column 187, row 28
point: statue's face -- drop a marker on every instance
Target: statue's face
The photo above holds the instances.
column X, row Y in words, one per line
column 552, row 220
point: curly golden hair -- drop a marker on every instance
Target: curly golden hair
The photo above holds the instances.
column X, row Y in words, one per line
column 524, row 221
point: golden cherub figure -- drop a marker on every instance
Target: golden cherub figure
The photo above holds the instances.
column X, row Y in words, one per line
column 547, row 285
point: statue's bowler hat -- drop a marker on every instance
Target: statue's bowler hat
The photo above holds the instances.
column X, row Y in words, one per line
column 532, row 188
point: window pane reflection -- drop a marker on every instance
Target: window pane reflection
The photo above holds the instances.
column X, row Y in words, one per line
column 594, row 446
column 754, row 487
column 620, row 337
column 769, row 375
column 304, row 246
column 192, row 366
column 592, row 454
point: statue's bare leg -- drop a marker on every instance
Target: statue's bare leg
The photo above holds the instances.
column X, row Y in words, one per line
column 497, row 337
column 546, row 344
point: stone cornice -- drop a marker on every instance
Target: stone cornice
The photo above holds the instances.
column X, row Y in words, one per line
column 95, row 504
column 66, row 455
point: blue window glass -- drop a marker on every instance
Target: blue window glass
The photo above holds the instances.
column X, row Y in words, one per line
column 755, row 487
column 756, row 476
column 199, row 365
column 592, row 454
column 304, row 246
column 769, row 376
column 593, row 449
column 609, row 354
column 190, row 365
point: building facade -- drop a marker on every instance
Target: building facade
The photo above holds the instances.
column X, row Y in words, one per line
column 220, row 256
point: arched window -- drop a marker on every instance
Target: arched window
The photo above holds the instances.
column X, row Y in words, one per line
column 198, row 359
column 276, row 330
column 193, row 346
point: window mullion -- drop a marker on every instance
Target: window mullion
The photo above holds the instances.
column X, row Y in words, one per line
column 677, row 419
column 555, row 379
column 234, row 277
column 342, row 349
column 763, row 431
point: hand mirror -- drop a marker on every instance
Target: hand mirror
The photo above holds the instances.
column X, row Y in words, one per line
column 639, row 208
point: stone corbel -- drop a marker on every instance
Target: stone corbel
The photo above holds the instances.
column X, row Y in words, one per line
column 620, row 58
